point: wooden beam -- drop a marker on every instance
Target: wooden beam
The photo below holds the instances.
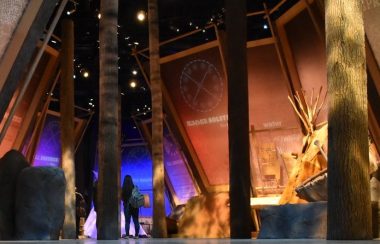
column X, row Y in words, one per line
column 374, row 127
column 82, row 131
column 220, row 38
column 241, row 224
column 280, row 54
column 180, row 37
column 181, row 135
column 9, row 89
column 179, row 148
column 36, row 134
column 373, row 67
column 143, row 127
column 189, row 51
column 255, row 13
column 18, row 38
column 16, row 62
column 261, row 42
column 316, row 24
column 67, row 126
column 284, row 43
column 51, row 67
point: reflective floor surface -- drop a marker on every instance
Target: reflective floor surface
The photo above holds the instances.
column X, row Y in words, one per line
column 194, row 241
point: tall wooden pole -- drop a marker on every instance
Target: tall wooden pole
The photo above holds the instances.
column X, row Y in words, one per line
column 349, row 204
column 159, row 220
column 67, row 126
column 238, row 119
column 108, row 221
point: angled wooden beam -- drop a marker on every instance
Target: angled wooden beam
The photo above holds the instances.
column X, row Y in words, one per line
column 143, row 127
column 8, row 90
column 181, row 135
column 16, row 63
column 51, row 67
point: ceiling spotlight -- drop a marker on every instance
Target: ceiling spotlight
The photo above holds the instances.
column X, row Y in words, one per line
column 84, row 73
column 134, row 72
column 99, row 15
column 133, row 84
column 73, row 7
column 70, row 12
column 177, row 30
column 141, row 15
column 265, row 26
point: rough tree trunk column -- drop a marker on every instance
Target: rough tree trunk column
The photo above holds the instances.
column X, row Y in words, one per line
column 159, row 220
column 349, row 205
column 67, row 126
column 108, row 222
column 238, row 119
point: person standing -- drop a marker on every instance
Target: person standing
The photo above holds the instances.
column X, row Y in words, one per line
column 129, row 210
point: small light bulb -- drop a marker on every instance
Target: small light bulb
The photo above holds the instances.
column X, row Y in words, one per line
column 133, row 84
column 141, row 15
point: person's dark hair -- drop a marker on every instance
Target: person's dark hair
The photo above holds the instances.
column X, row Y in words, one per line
column 127, row 187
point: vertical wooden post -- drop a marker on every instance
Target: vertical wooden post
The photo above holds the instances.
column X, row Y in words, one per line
column 67, row 126
column 159, row 220
column 238, row 119
column 108, row 221
column 349, row 204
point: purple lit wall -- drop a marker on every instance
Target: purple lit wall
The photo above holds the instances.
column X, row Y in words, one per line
column 177, row 171
column 48, row 151
column 136, row 161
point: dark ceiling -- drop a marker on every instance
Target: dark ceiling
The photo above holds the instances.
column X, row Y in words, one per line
column 175, row 17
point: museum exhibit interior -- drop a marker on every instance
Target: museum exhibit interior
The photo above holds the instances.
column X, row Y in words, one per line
column 236, row 119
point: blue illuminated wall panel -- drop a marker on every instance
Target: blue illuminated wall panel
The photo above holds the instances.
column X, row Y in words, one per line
column 48, row 151
column 177, row 170
column 136, row 161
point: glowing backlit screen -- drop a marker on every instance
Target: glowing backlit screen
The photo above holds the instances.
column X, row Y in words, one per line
column 176, row 170
column 197, row 86
column 48, row 152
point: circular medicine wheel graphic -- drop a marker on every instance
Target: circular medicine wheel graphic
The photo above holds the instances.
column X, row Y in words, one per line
column 201, row 85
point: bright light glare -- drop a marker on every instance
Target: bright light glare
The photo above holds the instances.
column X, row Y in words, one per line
column 141, row 15
column 133, row 84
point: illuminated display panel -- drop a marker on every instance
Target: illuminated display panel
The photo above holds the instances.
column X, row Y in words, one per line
column 194, row 86
column 48, row 151
column 177, row 170
column 276, row 129
column 309, row 54
column 198, row 90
